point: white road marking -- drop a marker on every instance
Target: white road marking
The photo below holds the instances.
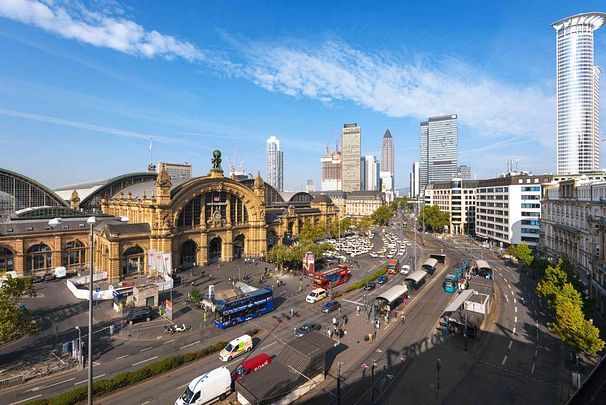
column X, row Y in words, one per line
column 48, row 386
column 513, row 295
column 183, row 386
column 515, row 319
column 516, row 308
column 122, row 357
column 168, row 341
column 510, row 343
column 146, row 402
column 514, row 301
column 353, row 302
column 506, row 298
column 536, row 351
column 508, row 286
column 505, row 280
column 191, row 344
column 532, row 370
column 146, row 349
column 94, row 378
column 266, row 346
column 25, row 400
column 504, row 360
column 514, row 330
column 143, row 361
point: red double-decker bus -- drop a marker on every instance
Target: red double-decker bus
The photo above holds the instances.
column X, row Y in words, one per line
column 332, row 277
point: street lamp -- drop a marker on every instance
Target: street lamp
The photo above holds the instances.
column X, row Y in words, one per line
column 79, row 346
column 90, row 221
column 372, row 382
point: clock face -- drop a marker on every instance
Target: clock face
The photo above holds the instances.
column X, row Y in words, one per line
column 217, row 215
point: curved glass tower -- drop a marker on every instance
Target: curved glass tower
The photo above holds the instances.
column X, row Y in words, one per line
column 578, row 121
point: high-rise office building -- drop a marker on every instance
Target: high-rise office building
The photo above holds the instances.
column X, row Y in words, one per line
column 351, row 145
column 464, row 172
column 439, row 150
column 578, row 102
column 331, row 171
column 387, row 153
column 275, row 164
column 176, row 170
column 309, row 187
column 371, row 173
column 414, row 180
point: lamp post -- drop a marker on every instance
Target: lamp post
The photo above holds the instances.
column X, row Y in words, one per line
column 90, row 221
column 372, row 382
column 79, row 346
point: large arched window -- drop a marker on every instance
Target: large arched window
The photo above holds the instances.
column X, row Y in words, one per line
column 74, row 254
column 214, row 205
column 37, row 258
column 133, row 261
column 6, row 260
column 238, row 214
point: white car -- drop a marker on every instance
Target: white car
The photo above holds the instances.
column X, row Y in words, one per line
column 405, row 270
column 373, row 254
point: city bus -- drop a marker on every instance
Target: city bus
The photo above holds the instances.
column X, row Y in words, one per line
column 244, row 308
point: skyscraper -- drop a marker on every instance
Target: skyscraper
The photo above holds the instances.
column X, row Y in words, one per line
column 350, row 141
column 275, row 164
column 387, row 153
column 371, row 173
column 578, row 101
column 176, row 170
column 464, row 172
column 414, row 180
column 331, row 171
column 439, row 150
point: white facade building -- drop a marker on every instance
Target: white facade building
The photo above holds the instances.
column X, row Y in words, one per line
column 275, row 164
column 414, row 185
column 438, row 149
column 578, row 103
column 458, row 198
column 350, row 156
column 371, row 173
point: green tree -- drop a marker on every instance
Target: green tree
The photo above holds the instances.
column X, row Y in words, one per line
column 364, row 224
column 382, row 215
column 312, row 232
column 573, row 329
column 523, row 253
column 195, row 295
column 15, row 320
column 552, row 283
column 433, row 217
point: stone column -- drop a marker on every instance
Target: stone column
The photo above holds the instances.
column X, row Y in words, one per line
column 57, row 247
column 19, row 258
column 227, row 247
column 202, row 254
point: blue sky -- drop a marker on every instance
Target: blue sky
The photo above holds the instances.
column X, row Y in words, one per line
column 83, row 85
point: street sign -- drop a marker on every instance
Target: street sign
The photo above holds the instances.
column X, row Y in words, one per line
column 98, row 289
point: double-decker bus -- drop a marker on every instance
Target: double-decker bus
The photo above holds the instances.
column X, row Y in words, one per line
column 331, row 278
column 241, row 309
column 393, row 267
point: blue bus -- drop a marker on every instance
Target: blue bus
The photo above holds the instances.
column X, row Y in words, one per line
column 241, row 309
column 451, row 280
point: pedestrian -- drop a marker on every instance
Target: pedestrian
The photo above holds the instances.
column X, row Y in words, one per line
column 329, row 333
column 334, row 321
column 339, row 311
column 346, row 319
column 292, row 312
column 357, row 310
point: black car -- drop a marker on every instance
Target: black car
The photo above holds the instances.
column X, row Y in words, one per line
column 139, row 314
column 331, row 306
column 382, row 280
column 177, row 279
column 307, row 327
column 370, row 285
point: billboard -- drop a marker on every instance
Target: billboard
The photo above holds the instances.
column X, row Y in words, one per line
column 308, row 263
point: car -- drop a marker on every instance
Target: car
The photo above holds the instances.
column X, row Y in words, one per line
column 382, row 280
column 405, row 270
column 316, row 295
column 307, row 327
column 373, row 254
column 331, row 306
column 177, row 279
column 370, row 285
column 139, row 314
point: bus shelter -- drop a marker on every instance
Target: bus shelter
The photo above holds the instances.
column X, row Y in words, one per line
column 483, row 269
column 429, row 265
column 416, row 279
column 392, row 297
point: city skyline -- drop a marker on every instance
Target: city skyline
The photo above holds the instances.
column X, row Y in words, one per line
column 197, row 91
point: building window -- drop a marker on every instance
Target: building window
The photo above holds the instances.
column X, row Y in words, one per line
column 74, row 254
column 37, row 257
column 6, row 260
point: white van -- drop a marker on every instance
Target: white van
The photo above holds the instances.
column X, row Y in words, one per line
column 316, row 295
column 206, row 388
column 405, row 270
column 236, row 347
column 60, row 272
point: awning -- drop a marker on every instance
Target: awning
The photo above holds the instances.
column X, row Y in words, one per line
column 453, row 306
column 417, row 276
column 431, row 262
column 483, row 264
column 393, row 293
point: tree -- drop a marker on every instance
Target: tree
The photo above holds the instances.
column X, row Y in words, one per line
column 433, row 217
column 364, row 224
column 552, row 283
column 382, row 215
column 15, row 319
column 573, row 329
column 195, row 295
column 523, row 253
column 312, row 232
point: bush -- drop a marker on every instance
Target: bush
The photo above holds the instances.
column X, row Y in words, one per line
column 363, row 282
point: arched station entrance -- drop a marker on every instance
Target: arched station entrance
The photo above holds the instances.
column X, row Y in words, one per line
column 133, row 262
column 239, row 246
column 214, row 250
column 188, row 252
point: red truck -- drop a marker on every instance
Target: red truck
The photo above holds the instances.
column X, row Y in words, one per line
column 332, row 277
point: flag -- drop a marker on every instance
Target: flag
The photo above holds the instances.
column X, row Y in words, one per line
column 151, row 139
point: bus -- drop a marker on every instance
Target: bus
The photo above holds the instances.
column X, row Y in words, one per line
column 452, row 280
column 393, row 267
column 244, row 308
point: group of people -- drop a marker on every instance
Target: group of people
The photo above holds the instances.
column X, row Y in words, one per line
column 338, row 327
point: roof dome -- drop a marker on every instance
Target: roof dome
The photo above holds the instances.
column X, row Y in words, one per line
column 259, row 183
column 321, row 198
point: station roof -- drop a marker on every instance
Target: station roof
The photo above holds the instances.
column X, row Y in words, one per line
column 417, row 276
column 483, row 264
column 431, row 262
column 460, row 300
column 393, row 293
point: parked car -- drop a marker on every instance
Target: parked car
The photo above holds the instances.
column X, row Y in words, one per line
column 316, row 295
column 139, row 314
column 382, row 280
column 370, row 286
column 331, row 306
column 236, row 347
column 250, row 365
column 307, row 327
column 207, row 387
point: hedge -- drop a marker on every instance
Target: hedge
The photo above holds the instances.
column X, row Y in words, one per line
column 129, row 378
column 365, row 280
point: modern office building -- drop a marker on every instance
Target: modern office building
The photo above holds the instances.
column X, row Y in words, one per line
column 508, row 208
column 464, row 172
column 414, row 185
column 578, row 102
column 331, row 171
column 439, row 149
column 350, row 155
column 275, row 164
column 458, row 198
column 371, row 173
column 387, row 154
column 309, row 187
column 176, row 170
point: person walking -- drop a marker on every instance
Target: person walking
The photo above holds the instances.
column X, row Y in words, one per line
column 357, row 310
column 334, row 321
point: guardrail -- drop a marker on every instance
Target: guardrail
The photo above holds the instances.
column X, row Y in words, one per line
column 10, row 382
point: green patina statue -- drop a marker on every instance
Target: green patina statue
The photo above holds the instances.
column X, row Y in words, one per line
column 216, row 161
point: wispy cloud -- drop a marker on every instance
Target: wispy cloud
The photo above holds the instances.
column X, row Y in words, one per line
column 401, row 88
column 103, row 29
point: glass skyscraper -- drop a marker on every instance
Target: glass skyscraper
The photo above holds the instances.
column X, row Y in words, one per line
column 439, row 150
column 275, row 164
column 578, row 122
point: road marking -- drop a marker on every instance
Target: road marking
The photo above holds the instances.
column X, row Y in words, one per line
column 271, row 344
column 510, row 343
column 25, row 400
column 122, row 357
column 183, row 386
column 146, row 349
column 512, row 294
column 353, row 302
column 506, row 298
column 168, row 341
column 536, row 351
column 143, row 361
column 514, row 301
column 514, row 330
column 505, row 280
column 48, row 386
column 508, row 286
column 504, row 360
column 532, row 371
column 515, row 319
column 516, row 308
column 146, row 402
column 94, row 378
column 191, row 344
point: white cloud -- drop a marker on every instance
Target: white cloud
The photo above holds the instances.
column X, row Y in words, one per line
column 336, row 71
column 74, row 21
